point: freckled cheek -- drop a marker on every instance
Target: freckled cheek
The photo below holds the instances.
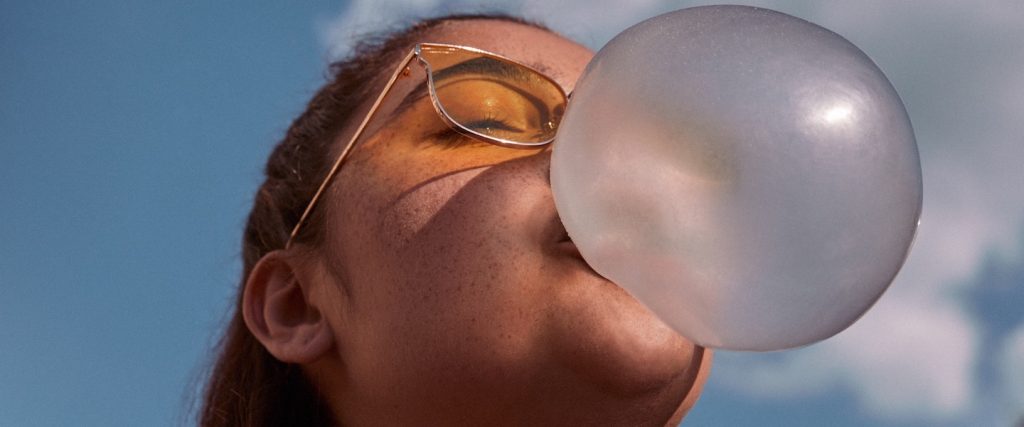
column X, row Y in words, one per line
column 457, row 227
column 451, row 191
column 433, row 223
column 454, row 259
column 407, row 214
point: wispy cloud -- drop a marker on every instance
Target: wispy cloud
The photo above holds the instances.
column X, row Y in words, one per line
column 585, row 21
column 957, row 66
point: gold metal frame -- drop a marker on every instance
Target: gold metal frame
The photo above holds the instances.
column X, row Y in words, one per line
column 400, row 71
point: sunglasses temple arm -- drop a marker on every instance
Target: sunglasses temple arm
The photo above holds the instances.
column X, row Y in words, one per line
column 348, row 147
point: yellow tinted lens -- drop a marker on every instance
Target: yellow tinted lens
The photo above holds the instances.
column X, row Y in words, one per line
column 493, row 96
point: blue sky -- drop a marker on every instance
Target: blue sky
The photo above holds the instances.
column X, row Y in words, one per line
column 132, row 137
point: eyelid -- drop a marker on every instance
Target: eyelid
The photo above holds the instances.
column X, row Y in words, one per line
column 415, row 97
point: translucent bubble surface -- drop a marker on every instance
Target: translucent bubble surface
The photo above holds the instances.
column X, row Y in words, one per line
column 749, row 176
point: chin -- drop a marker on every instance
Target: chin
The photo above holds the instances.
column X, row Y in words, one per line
column 639, row 359
column 616, row 344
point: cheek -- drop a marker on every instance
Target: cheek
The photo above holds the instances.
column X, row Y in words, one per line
column 440, row 201
column 466, row 228
column 456, row 304
column 412, row 210
column 452, row 257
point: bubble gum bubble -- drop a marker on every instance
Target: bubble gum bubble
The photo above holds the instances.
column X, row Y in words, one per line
column 749, row 176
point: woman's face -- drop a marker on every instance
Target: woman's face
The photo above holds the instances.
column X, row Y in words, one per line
column 455, row 295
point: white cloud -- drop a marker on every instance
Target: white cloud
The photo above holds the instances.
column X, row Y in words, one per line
column 957, row 66
column 587, row 22
column 363, row 17
column 907, row 358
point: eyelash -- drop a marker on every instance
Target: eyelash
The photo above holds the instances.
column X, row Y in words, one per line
column 451, row 138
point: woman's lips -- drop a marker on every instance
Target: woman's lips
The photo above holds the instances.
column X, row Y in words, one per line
column 566, row 245
column 559, row 239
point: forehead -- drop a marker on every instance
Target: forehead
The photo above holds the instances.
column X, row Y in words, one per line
column 559, row 58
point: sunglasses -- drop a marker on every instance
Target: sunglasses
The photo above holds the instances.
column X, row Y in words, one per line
column 526, row 117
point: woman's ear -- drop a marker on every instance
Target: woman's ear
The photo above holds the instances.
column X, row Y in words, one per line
column 277, row 309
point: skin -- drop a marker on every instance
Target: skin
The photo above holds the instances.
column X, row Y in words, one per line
column 447, row 292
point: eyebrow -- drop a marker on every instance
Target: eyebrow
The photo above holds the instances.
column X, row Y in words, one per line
column 473, row 66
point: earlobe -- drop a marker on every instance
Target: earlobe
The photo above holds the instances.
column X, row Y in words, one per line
column 278, row 311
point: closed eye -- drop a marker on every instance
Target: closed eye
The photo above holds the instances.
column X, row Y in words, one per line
column 451, row 138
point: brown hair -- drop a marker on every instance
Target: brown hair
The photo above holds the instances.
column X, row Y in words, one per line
column 247, row 385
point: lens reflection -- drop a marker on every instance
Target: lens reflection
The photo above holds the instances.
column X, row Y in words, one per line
column 492, row 96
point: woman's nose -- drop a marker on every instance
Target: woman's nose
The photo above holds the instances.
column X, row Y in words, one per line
column 543, row 161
